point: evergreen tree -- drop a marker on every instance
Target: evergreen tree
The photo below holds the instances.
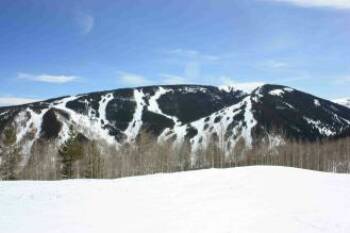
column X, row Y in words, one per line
column 10, row 155
column 70, row 152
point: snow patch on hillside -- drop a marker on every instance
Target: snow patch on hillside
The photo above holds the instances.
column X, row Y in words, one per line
column 322, row 129
column 289, row 105
column 277, row 92
column 154, row 107
column 288, row 89
column 244, row 200
column 103, row 107
column 28, row 128
column 249, row 121
column 89, row 125
column 247, row 87
column 222, row 124
column 227, row 88
column 3, row 113
column 317, row 103
column 135, row 125
column 280, row 92
column 193, row 89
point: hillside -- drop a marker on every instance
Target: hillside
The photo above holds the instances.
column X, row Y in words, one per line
column 194, row 113
column 343, row 101
column 247, row 199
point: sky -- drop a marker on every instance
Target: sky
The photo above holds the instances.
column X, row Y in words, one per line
column 63, row 47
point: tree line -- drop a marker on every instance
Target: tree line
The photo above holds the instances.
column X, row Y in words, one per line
column 78, row 157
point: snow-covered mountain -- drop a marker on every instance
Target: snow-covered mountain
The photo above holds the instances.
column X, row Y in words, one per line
column 176, row 113
column 343, row 101
column 246, row 200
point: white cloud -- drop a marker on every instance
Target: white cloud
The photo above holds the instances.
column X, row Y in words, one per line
column 85, row 22
column 9, row 101
column 131, row 79
column 338, row 4
column 244, row 86
column 173, row 79
column 47, row 78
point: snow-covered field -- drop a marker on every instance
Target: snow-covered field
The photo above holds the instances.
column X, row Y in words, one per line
column 249, row 199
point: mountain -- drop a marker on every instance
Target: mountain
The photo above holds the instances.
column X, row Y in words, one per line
column 343, row 101
column 176, row 113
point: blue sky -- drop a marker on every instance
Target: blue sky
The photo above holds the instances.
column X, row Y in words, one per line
column 54, row 48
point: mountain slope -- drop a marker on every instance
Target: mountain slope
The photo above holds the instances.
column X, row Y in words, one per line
column 246, row 199
column 198, row 114
column 343, row 101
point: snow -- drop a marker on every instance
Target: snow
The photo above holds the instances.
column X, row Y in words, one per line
column 227, row 88
column 280, row 92
column 250, row 122
column 153, row 104
column 322, row 129
column 288, row 89
column 335, row 116
column 193, row 89
column 289, row 105
column 135, row 125
column 277, row 92
column 63, row 102
column 245, row 87
column 244, row 200
column 88, row 125
column 343, row 101
column 103, row 107
column 29, row 122
column 317, row 103
column 202, row 138
column 3, row 113
column 154, row 107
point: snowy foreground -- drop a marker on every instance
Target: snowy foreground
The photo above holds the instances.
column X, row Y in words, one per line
column 250, row 199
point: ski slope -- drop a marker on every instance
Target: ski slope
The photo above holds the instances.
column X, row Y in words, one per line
column 242, row 200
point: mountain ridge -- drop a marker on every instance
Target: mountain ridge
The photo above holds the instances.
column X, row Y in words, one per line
column 199, row 114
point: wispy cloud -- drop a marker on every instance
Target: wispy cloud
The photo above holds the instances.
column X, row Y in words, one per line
column 173, row 79
column 86, row 22
column 9, row 101
column 337, row 4
column 244, row 86
column 131, row 79
column 47, row 78
column 194, row 54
